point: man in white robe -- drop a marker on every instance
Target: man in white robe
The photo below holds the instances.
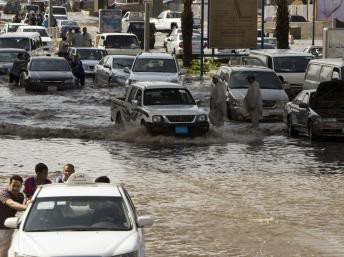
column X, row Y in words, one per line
column 218, row 106
column 253, row 101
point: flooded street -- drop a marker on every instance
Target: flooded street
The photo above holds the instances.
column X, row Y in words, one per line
column 236, row 192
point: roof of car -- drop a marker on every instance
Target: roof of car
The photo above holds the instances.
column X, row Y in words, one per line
column 19, row 34
column 65, row 190
column 157, row 84
column 331, row 61
column 12, row 50
column 155, row 55
column 121, row 56
column 247, row 68
column 117, row 34
column 87, row 48
column 280, row 52
column 47, row 58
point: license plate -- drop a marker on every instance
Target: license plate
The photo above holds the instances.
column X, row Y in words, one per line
column 181, row 130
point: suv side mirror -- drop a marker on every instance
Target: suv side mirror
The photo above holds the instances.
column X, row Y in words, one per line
column 144, row 221
column 12, row 222
column 126, row 70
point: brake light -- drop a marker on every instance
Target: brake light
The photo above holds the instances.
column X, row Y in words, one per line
column 181, row 45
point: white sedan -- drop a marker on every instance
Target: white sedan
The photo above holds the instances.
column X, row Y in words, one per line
column 79, row 218
column 176, row 45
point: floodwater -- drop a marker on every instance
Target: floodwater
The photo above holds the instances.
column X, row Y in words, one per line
column 234, row 192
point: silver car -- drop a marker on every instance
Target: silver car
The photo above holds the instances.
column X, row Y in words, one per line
column 273, row 95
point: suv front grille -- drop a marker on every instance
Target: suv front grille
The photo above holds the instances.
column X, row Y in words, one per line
column 180, row 118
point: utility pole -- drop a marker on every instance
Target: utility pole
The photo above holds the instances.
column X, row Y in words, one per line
column 50, row 15
column 313, row 27
column 202, row 38
column 263, row 14
column 147, row 27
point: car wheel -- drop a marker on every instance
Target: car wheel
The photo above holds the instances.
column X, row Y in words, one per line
column 291, row 130
column 311, row 134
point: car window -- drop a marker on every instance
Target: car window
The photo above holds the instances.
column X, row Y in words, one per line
column 21, row 43
column 138, row 97
column 312, row 72
column 161, row 16
column 305, row 99
column 132, row 94
column 325, row 73
column 287, row 64
column 77, row 214
column 90, row 54
column 266, row 80
column 335, row 74
column 121, row 63
column 155, row 65
column 122, row 42
column 49, row 65
column 8, row 57
column 168, row 96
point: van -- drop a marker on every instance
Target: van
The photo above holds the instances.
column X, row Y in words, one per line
column 118, row 43
column 290, row 66
column 29, row 41
column 319, row 70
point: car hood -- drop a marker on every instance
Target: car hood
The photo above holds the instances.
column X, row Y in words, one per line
column 154, row 76
column 267, row 94
column 59, row 75
column 175, row 109
column 94, row 243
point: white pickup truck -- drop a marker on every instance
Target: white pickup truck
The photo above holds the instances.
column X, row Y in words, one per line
column 168, row 20
column 162, row 107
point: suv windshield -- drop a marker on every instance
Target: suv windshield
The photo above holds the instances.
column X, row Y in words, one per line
column 122, row 42
column 42, row 32
column 49, row 65
column 266, row 80
column 21, row 43
column 12, row 28
column 121, row 63
column 77, row 214
column 167, row 96
column 59, row 10
column 155, row 65
column 291, row 63
column 91, row 54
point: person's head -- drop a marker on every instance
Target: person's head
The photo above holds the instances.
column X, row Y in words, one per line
column 68, row 169
column 250, row 78
column 102, row 179
column 41, row 171
column 15, row 184
column 46, row 16
column 84, row 29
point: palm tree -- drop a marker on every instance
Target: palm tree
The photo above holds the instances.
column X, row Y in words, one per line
column 187, row 25
column 282, row 24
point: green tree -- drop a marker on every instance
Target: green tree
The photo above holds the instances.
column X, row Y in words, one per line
column 282, row 24
column 187, row 25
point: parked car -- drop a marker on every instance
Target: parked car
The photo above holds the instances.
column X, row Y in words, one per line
column 29, row 41
column 89, row 56
column 47, row 72
column 317, row 112
column 137, row 28
column 118, row 43
column 273, row 95
column 167, row 20
column 11, row 8
column 12, row 27
column 101, row 216
column 7, row 57
column 176, row 45
column 110, row 70
column 131, row 16
column 319, row 70
column 46, row 40
column 316, row 51
column 162, row 108
column 154, row 67
column 57, row 10
column 177, row 31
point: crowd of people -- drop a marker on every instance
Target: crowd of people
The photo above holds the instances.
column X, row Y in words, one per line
column 13, row 200
column 31, row 18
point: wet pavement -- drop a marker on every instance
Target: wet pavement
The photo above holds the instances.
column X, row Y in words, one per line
column 235, row 192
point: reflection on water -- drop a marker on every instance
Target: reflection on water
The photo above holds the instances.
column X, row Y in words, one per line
column 267, row 196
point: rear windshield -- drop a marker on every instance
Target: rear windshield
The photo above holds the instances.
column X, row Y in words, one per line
column 8, row 57
column 167, row 96
column 42, row 32
column 155, row 65
column 21, row 43
column 91, row 54
column 266, row 80
column 122, row 42
column 122, row 63
column 57, row 10
column 32, row 7
column 291, row 64
column 49, row 65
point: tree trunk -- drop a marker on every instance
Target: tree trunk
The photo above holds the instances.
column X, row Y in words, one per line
column 282, row 24
column 187, row 25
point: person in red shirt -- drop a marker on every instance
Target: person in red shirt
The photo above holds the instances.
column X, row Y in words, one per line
column 11, row 201
column 32, row 182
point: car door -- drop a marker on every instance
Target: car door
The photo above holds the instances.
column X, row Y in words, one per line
column 295, row 109
column 127, row 112
column 304, row 112
column 136, row 105
column 107, row 69
column 101, row 73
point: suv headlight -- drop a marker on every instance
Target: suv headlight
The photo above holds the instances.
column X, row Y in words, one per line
column 157, row 118
column 201, row 117
column 133, row 254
